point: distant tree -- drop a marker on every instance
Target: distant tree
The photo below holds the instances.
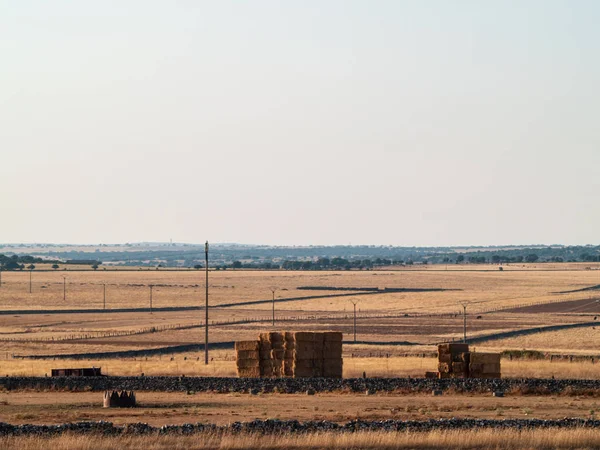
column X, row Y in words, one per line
column 307, row 265
column 31, row 267
column 532, row 257
column 95, row 267
column 236, row 265
column 460, row 258
column 197, row 267
column 55, row 266
column 11, row 265
column 323, row 262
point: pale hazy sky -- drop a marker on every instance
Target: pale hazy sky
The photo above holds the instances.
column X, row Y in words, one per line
column 306, row 122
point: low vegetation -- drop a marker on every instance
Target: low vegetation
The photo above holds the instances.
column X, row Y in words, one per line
column 459, row 439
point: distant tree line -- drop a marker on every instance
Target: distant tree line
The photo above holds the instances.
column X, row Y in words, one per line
column 20, row 262
column 16, row 262
column 225, row 257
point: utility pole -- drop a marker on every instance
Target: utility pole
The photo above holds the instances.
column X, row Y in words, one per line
column 104, row 297
column 273, row 290
column 354, row 304
column 464, row 305
column 64, row 287
column 151, row 298
column 206, row 307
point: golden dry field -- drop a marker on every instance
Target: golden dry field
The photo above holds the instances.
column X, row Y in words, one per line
column 389, row 324
column 485, row 287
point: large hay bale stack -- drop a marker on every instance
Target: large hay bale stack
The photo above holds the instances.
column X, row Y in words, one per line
column 247, row 359
column 291, row 354
column 455, row 361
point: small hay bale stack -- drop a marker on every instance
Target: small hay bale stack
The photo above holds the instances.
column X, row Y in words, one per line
column 247, row 359
column 115, row 399
column 484, row 365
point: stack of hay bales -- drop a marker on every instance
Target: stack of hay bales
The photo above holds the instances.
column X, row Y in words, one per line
column 484, row 365
column 247, row 359
column 295, row 354
column 456, row 361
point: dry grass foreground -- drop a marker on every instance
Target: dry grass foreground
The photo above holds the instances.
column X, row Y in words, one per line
column 459, row 439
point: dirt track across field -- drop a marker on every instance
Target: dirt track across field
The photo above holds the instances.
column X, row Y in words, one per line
column 589, row 306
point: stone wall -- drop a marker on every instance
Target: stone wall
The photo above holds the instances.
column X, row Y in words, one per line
column 295, row 385
column 293, row 426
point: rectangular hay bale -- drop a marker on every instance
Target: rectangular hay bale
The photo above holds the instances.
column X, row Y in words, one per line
column 247, row 354
column 246, row 345
column 332, row 346
column 459, row 367
column 453, row 348
column 247, row 363
column 249, row 372
column 304, row 336
column 276, row 336
column 332, row 355
column 444, row 368
column 277, row 354
column 445, row 358
column 333, row 336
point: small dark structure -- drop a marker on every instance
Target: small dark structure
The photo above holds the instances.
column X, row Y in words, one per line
column 121, row 399
column 85, row 372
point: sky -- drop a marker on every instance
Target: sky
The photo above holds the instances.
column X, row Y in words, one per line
column 318, row 122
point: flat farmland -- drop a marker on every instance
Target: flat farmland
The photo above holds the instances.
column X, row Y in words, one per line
column 485, row 289
column 389, row 324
